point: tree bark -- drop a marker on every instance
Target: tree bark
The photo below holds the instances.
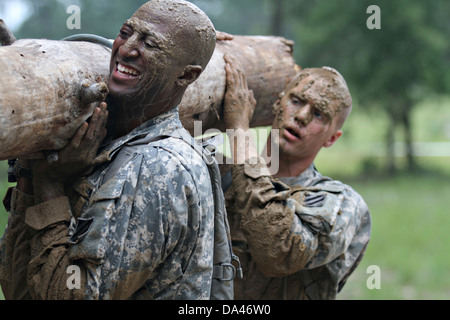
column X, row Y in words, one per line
column 409, row 149
column 390, row 146
column 48, row 88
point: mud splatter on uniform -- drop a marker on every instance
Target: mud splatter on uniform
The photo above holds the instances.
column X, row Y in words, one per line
column 297, row 238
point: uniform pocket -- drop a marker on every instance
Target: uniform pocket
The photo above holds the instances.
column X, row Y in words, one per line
column 92, row 246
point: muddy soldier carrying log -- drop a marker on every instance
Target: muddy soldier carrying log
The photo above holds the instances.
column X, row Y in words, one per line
column 298, row 234
column 135, row 213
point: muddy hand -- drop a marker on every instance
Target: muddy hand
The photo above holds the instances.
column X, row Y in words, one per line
column 80, row 154
column 239, row 100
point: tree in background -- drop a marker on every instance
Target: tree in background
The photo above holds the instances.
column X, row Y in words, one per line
column 390, row 69
column 277, row 7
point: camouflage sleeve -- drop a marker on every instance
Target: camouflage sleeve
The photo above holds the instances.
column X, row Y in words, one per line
column 285, row 233
column 149, row 239
column 48, row 267
column 267, row 218
column 33, row 249
column 15, row 249
column 93, row 254
column 151, row 230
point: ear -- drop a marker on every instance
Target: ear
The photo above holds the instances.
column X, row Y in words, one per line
column 190, row 74
column 333, row 139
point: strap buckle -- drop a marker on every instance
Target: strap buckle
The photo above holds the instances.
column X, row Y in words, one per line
column 219, row 272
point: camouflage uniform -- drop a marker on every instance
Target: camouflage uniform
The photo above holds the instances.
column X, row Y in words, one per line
column 297, row 238
column 142, row 230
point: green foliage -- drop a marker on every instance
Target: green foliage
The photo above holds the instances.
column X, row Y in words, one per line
column 249, row 17
column 391, row 69
column 48, row 18
column 409, row 50
column 409, row 239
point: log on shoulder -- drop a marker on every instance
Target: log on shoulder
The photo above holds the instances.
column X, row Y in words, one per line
column 49, row 88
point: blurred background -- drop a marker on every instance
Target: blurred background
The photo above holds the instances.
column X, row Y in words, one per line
column 395, row 150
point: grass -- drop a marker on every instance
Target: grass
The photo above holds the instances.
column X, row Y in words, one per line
column 4, row 185
column 410, row 215
column 3, row 214
column 410, row 239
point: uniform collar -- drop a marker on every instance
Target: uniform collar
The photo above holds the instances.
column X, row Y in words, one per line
column 161, row 125
column 307, row 178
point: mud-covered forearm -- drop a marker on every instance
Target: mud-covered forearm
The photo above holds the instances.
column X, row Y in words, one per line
column 15, row 249
column 278, row 241
column 48, row 271
column 33, row 250
column 48, row 268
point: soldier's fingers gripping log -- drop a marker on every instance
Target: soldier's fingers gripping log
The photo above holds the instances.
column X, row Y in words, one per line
column 80, row 155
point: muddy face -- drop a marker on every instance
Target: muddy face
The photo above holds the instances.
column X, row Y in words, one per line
column 151, row 53
column 310, row 113
column 143, row 57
